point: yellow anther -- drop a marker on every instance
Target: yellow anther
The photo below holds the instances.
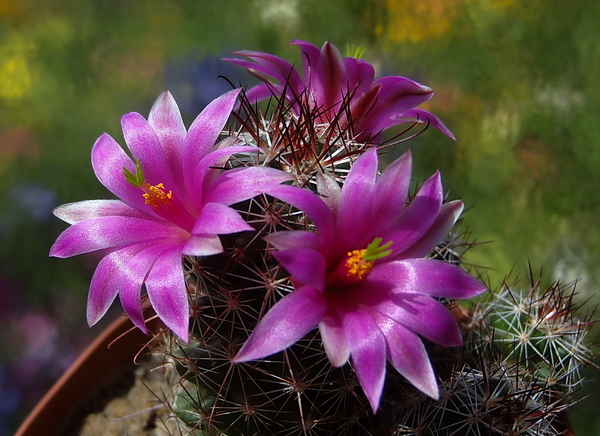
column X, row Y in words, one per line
column 356, row 264
column 156, row 196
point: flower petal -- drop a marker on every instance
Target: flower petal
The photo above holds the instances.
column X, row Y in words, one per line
column 334, row 339
column 145, row 146
column 423, row 315
column 305, row 265
column 310, row 204
column 205, row 173
column 103, row 287
column 108, row 161
column 408, row 356
column 113, row 231
column 237, row 185
column 310, row 55
column 330, row 192
column 165, row 120
column 423, row 116
column 132, row 277
column 354, row 211
column 449, row 213
column 218, row 219
column 328, row 78
column 204, row 131
column 266, row 64
column 203, row 245
column 391, row 191
column 368, row 351
column 426, row 276
column 285, row 323
column 360, row 76
column 167, row 291
column 83, row 210
column 397, row 96
column 297, row 238
column 418, row 217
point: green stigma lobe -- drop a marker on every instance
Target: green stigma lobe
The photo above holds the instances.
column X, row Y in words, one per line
column 376, row 251
column 355, row 51
column 136, row 179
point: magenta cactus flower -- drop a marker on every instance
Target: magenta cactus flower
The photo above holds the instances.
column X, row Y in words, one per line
column 173, row 202
column 342, row 90
column 363, row 277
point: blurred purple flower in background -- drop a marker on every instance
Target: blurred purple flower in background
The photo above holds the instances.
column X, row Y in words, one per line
column 362, row 277
column 341, row 90
column 198, row 82
column 173, row 202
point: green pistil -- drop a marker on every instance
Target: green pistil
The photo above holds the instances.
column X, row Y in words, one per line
column 376, row 251
column 355, row 51
column 136, row 179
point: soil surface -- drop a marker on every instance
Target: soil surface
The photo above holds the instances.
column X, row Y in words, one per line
column 135, row 402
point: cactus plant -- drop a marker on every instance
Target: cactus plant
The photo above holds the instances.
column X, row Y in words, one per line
column 306, row 291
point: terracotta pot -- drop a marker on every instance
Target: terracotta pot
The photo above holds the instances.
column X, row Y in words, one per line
column 112, row 351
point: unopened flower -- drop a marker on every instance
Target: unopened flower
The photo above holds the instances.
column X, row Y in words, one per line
column 341, row 91
column 174, row 201
column 363, row 278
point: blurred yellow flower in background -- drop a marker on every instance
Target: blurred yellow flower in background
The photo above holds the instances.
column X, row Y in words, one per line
column 15, row 69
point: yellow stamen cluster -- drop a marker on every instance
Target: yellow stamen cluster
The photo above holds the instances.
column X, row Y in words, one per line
column 156, row 196
column 357, row 266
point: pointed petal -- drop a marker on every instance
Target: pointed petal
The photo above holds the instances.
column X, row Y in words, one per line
column 165, row 120
column 103, row 287
column 144, row 145
column 108, row 161
column 418, row 216
column 261, row 92
column 330, row 192
column 426, row 276
column 423, row 315
column 107, row 232
column 368, row 351
column 408, row 356
column 310, row 204
column 83, row 210
column 334, row 339
column 237, row 185
column 284, row 324
column 449, row 213
column 354, row 212
column 205, row 173
column 218, row 219
column 203, row 245
column 360, row 76
column 397, row 96
column 205, row 130
column 328, row 78
column 305, row 265
column 267, row 66
column 167, row 291
column 310, row 55
column 294, row 239
column 391, row 191
column 427, row 117
column 132, row 277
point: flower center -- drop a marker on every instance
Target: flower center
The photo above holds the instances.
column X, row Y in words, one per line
column 156, row 196
column 357, row 264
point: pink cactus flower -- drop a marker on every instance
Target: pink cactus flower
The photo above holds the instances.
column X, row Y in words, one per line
column 343, row 91
column 172, row 202
column 363, row 277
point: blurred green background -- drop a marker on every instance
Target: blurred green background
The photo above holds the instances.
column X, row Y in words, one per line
column 516, row 81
